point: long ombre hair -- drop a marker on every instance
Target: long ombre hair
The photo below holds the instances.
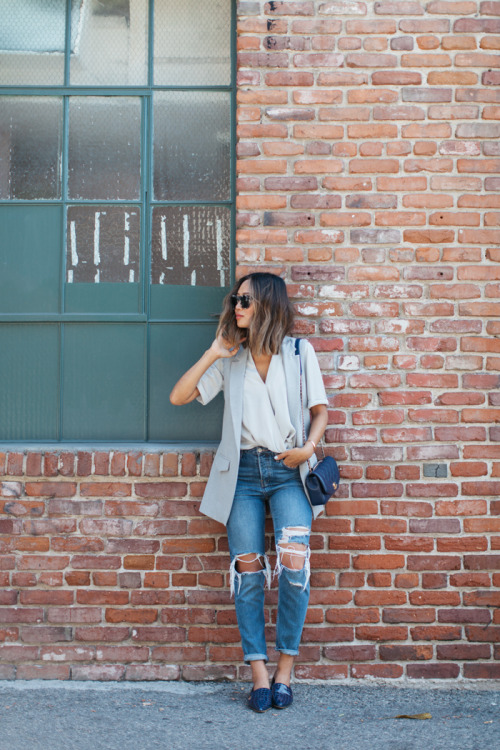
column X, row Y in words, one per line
column 272, row 319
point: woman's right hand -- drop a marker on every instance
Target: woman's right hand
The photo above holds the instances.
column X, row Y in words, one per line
column 222, row 348
column 186, row 388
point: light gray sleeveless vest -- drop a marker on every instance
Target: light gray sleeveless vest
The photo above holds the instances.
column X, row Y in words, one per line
column 219, row 492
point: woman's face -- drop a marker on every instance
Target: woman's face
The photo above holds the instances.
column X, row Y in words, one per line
column 244, row 315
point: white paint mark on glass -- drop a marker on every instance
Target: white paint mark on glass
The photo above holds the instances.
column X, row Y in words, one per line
column 218, row 240
column 185, row 229
column 126, row 246
column 72, row 235
column 162, row 279
column 193, row 278
column 97, row 276
column 131, row 275
column 77, row 25
column 70, row 277
column 218, row 236
column 163, row 230
column 97, row 232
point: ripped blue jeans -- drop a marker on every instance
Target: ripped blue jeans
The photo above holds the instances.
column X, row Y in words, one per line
column 262, row 479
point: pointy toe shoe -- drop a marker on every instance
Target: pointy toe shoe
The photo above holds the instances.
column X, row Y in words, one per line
column 260, row 700
column 281, row 695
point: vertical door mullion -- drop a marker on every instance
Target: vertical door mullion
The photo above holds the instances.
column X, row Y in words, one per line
column 64, row 196
column 144, row 159
column 67, row 45
column 64, row 232
column 64, row 199
column 146, row 242
column 147, row 155
column 151, row 43
column 60, row 435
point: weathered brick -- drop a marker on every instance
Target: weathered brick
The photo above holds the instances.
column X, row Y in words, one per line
column 405, row 653
column 50, row 489
column 100, row 672
column 433, row 671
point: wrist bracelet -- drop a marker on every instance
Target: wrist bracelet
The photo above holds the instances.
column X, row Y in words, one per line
column 312, row 442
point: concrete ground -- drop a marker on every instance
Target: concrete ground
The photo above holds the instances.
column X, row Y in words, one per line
column 41, row 715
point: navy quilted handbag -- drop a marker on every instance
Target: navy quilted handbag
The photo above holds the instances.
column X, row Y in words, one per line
column 322, row 482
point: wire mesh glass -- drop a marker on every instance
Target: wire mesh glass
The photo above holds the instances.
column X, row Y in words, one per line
column 192, row 43
column 102, row 244
column 103, row 388
column 30, row 147
column 109, row 42
column 192, row 141
column 29, row 374
column 30, row 258
column 191, row 245
column 32, row 41
column 104, row 158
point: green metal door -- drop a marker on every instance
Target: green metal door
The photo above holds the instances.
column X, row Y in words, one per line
column 116, row 213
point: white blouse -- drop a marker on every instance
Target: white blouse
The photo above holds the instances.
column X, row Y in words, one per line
column 266, row 418
column 266, row 413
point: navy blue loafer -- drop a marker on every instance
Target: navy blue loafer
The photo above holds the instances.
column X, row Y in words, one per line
column 281, row 695
column 260, row 700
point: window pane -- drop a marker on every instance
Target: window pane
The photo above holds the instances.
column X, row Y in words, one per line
column 102, row 244
column 169, row 358
column 192, row 140
column 30, row 147
column 191, row 245
column 32, row 37
column 109, row 42
column 104, row 381
column 30, row 258
column 104, row 148
column 192, row 42
column 29, row 374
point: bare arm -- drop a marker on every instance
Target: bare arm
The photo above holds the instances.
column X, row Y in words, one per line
column 185, row 390
column 319, row 421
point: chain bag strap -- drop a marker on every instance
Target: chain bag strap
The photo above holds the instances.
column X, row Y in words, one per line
column 323, row 480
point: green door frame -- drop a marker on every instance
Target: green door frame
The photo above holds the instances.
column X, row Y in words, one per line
column 208, row 298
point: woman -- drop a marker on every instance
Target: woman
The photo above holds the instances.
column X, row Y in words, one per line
column 274, row 397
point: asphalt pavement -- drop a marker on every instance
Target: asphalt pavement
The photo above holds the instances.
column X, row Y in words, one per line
column 42, row 715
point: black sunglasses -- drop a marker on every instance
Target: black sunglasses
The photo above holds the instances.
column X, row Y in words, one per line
column 244, row 300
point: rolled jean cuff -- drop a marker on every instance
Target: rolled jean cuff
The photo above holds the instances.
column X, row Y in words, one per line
column 289, row 651
column 255, row 657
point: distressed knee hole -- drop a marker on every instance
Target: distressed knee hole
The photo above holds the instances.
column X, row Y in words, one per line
column 292, row 555
column 250, row 563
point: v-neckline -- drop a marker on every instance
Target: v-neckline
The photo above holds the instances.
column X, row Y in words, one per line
column 264, row 380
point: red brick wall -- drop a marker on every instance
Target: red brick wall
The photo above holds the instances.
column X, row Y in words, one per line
column 368, row 177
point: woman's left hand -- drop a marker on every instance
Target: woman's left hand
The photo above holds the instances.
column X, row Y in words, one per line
column 295, row 456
